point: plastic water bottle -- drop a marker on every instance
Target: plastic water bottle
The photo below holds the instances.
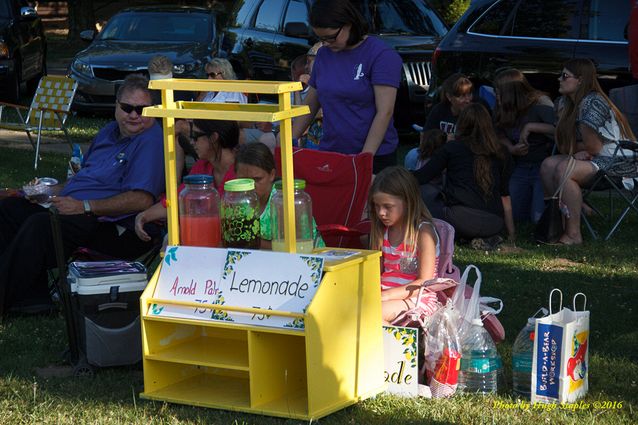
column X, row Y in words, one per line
column 480, row 362
column 522, row 353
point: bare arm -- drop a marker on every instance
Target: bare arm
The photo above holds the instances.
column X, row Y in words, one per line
column 384, row 98
column 592, row 142
column 536, row 127
column 300, row 124
column 518, row 149
column 123, row 203
column 426, row 269
column 154, row 213
column 508, row 217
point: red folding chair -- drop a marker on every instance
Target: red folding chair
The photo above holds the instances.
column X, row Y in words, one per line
column 338, row 185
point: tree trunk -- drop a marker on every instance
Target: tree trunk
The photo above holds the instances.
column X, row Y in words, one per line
column 81, row 17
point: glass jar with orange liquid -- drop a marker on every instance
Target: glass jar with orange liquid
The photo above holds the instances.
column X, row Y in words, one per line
column 199, row 223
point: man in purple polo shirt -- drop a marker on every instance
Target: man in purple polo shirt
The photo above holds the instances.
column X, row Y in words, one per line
column 122, row 174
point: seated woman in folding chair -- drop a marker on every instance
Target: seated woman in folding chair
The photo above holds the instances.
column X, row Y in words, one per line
column 588, row 126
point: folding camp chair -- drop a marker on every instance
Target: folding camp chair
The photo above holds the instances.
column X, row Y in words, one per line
column 338, row 185
column 621, row 187
column 625, row 100
column 49, row 110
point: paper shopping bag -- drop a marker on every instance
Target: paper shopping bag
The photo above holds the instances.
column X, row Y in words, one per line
column 560, row 362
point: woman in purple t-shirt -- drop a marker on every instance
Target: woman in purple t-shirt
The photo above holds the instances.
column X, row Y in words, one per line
column 354, row 80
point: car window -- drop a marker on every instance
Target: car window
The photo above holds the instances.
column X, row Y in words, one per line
column 607, row 20
column 497, row 20
column 269, row 14
column 409, row 17
column 5, row 12
column 240, row 12
column 547, row 19
column 297, row 12
column 158, row 27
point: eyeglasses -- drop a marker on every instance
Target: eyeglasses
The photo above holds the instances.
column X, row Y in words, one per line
column 564, row 76
column 215, row 74
column 128, row 108
column 331, row 38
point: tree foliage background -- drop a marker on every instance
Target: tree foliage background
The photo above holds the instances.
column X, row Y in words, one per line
column 450, row 10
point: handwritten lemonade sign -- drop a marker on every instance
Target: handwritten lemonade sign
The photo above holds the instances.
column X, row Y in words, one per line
column 401, row 368
column 238, row 278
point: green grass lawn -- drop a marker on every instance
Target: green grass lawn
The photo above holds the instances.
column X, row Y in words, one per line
column 607, row 272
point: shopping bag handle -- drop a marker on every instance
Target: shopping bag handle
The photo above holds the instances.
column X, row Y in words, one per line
column 551, row 294
column 486, row 308
column 584, row 301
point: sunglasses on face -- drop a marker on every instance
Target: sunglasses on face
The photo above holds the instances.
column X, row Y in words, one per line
column 564, row 76
column 128, row 108
column 331, row 38
column 215, row 74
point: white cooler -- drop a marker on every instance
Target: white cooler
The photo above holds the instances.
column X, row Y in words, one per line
column 106, row 307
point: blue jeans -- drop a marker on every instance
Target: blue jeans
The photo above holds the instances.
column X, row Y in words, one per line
column 526, row 191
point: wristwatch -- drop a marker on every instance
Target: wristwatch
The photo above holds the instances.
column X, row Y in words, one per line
column 87, row 207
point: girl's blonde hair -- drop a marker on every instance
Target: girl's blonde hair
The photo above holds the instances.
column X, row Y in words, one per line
column 585, row 70
column 399, row 182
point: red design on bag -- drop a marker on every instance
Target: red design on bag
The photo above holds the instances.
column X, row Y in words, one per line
column 446, row 370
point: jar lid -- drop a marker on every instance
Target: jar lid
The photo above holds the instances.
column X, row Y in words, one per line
column 299, row 184
column 239, row 185
column 198, row 179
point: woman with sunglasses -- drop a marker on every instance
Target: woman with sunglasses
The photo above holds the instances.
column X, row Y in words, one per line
column 588, row 125
column 221, row 69
column 216, row 144
column 354, row 80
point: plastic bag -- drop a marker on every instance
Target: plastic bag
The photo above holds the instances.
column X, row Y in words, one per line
column 427, row 304
column 442, row 352
column 470, row 305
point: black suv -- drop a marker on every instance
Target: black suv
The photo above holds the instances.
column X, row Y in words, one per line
column 537, row 37
column 22, row 48
column 264, row 36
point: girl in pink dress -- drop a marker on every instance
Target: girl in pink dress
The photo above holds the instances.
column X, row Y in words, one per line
column 402, row 229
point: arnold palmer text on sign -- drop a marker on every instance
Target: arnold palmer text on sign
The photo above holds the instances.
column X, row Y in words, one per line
column 236, row 278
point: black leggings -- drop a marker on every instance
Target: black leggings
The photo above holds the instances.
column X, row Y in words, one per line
column 471, row 223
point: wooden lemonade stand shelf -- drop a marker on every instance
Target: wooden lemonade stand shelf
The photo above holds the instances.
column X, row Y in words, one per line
column 211, row 334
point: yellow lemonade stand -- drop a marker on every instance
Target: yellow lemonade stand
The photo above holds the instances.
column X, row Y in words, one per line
column 331, row 358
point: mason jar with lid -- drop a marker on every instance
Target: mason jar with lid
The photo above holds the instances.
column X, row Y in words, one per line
column 240, row 215
column 199, row 223
column 303, row 218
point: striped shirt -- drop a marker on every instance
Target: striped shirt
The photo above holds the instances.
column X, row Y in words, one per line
column 401, row 262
